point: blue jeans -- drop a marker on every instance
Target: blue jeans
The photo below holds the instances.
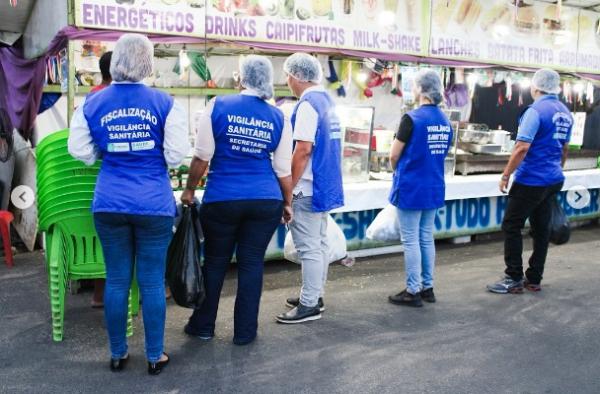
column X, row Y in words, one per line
column 245, row 227
column 143, row 241
column 416, row 228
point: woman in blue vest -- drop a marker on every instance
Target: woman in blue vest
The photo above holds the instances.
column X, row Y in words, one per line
column 249, row 145
column 137, row 131
column 418, row 188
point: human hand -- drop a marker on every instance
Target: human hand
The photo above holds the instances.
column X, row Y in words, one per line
column 504, row 183
column 287, row 214
column 187, row 198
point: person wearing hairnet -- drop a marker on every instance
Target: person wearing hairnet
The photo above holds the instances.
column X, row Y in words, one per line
column 248, row 193
column 317, row 180
column 138, row 132
column 418, row 188
column 537, row 160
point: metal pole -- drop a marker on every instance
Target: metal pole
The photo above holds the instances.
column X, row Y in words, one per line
column 71, row 87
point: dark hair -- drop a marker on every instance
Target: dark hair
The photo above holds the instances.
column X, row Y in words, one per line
column 105, row 66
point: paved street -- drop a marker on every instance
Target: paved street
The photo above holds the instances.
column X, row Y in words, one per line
column 471, row 341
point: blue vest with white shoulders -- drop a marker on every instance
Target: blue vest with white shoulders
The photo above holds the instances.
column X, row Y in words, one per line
column 328, row 191
column 247, row 130
column 418, row 182
column 542, row 165
column 127, row 123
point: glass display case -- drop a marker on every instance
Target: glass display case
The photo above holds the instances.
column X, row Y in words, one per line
column 357, row 129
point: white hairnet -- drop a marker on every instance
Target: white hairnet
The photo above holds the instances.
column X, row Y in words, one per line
column 303, row 67
column 132, row 58
column 547, row 81
column 256, row 73
column 429, row 85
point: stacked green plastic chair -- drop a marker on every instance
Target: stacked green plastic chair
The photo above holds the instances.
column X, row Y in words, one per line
column 65, row 189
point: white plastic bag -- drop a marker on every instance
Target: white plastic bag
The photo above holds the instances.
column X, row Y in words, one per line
column 385, row 226
column 335, row 239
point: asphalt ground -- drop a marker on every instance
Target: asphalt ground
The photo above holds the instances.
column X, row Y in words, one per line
column 470, row 341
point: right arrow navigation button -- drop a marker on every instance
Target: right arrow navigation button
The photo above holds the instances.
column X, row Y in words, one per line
column 578, row 197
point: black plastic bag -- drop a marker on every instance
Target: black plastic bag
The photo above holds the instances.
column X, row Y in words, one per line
column 560, row 232
column 184, row 273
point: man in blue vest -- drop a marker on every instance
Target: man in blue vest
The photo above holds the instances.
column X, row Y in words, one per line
column 317, row 180
column 538, row 158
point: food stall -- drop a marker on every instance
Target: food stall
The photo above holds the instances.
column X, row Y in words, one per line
column 369, row 51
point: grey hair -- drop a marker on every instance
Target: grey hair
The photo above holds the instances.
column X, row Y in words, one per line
column 132, row 58
column 303, row 67
column 256, row 73
column 429, row 84
column 546, row 81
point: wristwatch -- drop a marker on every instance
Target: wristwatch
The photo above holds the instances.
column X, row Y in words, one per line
column 505, row 177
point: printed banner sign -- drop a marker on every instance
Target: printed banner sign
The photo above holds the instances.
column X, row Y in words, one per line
column 385, row 26
column 489, row 31
column 494, row 31
column 588, row 53
column 169, row 17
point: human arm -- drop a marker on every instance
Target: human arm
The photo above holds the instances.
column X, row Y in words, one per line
column 282, row 162
column 305, row 131
column 204, row 149
column 80, row 143
column 402, row 137
column 518, row 155
column 176, row 144
column 197, row 170
column 565, row 154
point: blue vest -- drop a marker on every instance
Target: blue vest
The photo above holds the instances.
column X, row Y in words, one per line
column 246, row 130
column 328, row 191
column 542, row 164
column 127, row 123
column 418, row 181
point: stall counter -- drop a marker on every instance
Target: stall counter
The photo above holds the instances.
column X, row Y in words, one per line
column 474, row 205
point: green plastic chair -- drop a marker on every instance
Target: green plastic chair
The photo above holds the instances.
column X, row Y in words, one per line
column 54, row 154
column 75, row 253
column 58, row 135
column 52, row 193
column 62, row 165
column 58, row 160
column 45, row 222
column 59, row 184
column 67, row 178
column 53, row 201
column 51, row 141
column 65, row 207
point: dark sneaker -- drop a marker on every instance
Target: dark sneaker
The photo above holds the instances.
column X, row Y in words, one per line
column 428, row 296
column 191, row 332
column 405, row 298
column 294, row 302
column 300, row 314
column 507, row 285
column 532, row 286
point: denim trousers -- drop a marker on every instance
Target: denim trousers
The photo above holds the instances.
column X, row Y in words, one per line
column 416, row 229
column 138, row 241
column 309, row 232
column 533, row 203
column 246, row 228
